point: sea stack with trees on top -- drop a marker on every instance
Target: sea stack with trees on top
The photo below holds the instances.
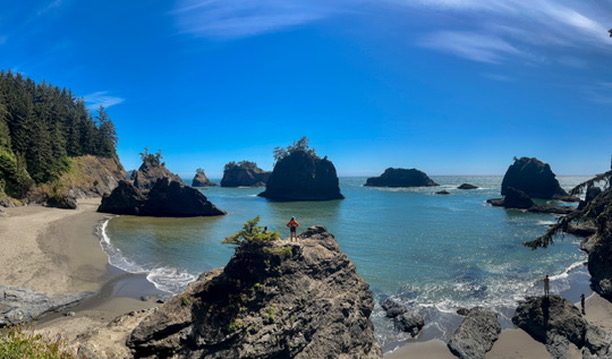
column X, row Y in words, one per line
column 401, row 177
column 155, row 191
column 200, row 180
column 244, row 174
column 301, row 175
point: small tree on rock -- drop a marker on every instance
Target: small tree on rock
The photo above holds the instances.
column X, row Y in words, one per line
column 252, row 233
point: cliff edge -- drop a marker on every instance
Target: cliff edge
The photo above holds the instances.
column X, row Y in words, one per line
column 275, row 299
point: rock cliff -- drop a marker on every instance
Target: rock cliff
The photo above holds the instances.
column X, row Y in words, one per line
column 273, row 300
column 401, row 177
column 151, row 170
column 535, row 178
column 200, row 180
column 303, row 176
column 244, row 174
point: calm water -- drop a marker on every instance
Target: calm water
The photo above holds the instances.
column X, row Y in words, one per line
column 434, row 253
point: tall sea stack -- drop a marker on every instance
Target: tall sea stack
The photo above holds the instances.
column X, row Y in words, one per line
column 535, row 179
column 302, row 176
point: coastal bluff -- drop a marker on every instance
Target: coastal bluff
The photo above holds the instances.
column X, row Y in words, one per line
column 275, row 299
column 303, row 176
column 535, row 179
column 401, row 177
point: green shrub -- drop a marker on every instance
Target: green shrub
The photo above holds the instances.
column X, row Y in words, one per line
column 18, row 343
column 252, row 233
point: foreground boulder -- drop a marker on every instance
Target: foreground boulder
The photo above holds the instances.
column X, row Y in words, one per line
column 167, row 198
column 273, row 300
column 303, row 176
column 475, row 335
column 553, row 321
column 403, row 319
column 200, row 180
column 401, row 177
column 534, row 178
column 62, row 201
column 244, row 174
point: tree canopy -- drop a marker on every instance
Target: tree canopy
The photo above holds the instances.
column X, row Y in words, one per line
column 297, row 146
column 41, row 126
column 246, row 165
column 252, row 233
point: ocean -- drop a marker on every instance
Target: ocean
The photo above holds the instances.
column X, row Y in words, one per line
column 434, row 253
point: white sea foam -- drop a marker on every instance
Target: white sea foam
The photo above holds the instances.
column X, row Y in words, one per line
column 168, row 279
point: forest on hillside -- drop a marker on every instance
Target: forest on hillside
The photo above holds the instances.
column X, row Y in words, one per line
column 41, row 127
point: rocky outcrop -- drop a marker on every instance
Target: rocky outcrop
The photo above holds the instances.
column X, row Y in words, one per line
column 591, row 193
column 303, row 176
column 467, row 186
column 200, row 180
column 553, row 321
column 244, row 174
column 167, row 198
column 151, row 170
column 475, row 335
column 401, row 177
column 535, row 179
column 20, row 305
column 443, row 192
column 273, row 300
column 517, row 199
column 62, row 201
column 403, row 319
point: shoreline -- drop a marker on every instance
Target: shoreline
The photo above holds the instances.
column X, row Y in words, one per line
column 58, row 252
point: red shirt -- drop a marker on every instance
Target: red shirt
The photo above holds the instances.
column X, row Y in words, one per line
column 293, row 224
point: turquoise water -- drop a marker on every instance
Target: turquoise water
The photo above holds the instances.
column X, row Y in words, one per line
column 435, row 253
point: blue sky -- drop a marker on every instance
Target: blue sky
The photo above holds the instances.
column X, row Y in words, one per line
column 445, row 86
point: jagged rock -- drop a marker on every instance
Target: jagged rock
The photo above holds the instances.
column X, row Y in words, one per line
column 125, row 199
column 273, row 300
column 552, row 320
column 467, row 186
column 514, row 198
column 517, row 199
column 20, row 305
column 244, row 174
column 535, row 179
column 409, row 322
column 443, row 192
column 475, row 335
column 302, row 176
column 401, row 177
column 167, row 198
column 151, row 170
column 62, row 201
column 591, row 193
column 200, row 180
column 392, row 308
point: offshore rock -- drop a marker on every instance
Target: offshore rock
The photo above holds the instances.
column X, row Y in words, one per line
column 443, row 192
column 535, row 178
column 467, row 186
column 244, row 174
column 475, row 335
column 200, row 180
column 302, row 176
column 553, row 321
column 20, row 305
column 392, row 308
column 273, row 300
column 517, row 199
column 409, row 322
column 591, row 193
column 401, row 177
column 167, row 198
column 151, row 170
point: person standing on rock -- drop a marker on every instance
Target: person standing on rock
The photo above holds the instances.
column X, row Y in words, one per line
column 293, row 224
column 546, row 286
column 582, row 303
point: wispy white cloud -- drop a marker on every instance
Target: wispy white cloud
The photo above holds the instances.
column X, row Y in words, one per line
column 600, row 93
column 536, row 26
column 230, row 19
column 101, row 98
column 498, row 77
column 470, row 45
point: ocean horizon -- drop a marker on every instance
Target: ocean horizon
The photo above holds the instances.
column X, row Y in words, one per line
column 433, row 253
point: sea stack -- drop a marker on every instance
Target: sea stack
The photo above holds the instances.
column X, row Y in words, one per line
column 200, row 180
column 274, row 299
column 401, row 177
column 301, row 175
column 535, row 179
column 244, row 174
column 157, row 192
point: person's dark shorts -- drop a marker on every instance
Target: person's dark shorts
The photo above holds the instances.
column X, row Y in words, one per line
column 293, row 229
